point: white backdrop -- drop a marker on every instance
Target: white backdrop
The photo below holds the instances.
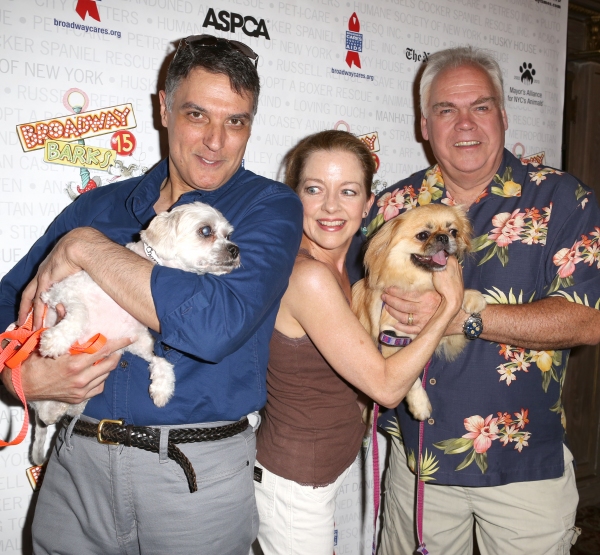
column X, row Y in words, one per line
column 323, row 64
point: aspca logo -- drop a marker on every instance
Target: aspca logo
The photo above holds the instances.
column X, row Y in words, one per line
column 85, row 7
column 232, row 21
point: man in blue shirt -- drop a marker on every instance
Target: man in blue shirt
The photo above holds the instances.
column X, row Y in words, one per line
column 492, row 451
column 135, row 497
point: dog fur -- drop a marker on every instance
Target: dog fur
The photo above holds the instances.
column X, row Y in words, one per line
column 193, row 237
column 404, row 253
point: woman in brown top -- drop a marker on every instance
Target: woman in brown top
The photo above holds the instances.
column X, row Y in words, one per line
column 312, row 429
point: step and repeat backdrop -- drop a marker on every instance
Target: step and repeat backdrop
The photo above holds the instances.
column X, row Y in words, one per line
column 78, row 110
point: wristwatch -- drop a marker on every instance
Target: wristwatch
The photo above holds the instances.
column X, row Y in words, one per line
column 473, row 326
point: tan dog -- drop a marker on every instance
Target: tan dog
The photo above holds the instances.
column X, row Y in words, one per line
column 404, row 253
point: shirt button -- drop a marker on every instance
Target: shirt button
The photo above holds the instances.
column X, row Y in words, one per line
column 166, row 348
column 432, row 381
column 431, row 421
column 124, row 364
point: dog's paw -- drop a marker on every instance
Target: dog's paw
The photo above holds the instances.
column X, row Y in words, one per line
column 418, row 403
column 53, row 343
column 473, row 301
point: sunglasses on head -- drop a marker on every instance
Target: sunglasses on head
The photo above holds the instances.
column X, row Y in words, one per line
column 210, row 40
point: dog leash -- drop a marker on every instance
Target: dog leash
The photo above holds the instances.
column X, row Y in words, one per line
column 394, row 342
column 420, row 483
column 376, row 481
column 22, row 342
column 400, row 342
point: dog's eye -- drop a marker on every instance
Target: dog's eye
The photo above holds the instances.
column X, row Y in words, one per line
column 453, row 232
column 206, row 231
column 228, row 236
column 423, row 236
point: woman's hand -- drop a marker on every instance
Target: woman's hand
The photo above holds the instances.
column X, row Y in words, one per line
column 449, row 284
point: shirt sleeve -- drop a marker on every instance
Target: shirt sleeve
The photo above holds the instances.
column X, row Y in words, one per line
column 572, row 265
column 210, row 316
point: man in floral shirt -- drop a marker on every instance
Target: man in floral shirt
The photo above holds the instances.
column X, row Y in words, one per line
column 493, row 448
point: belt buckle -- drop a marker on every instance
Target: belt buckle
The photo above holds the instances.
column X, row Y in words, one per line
column 100, row 426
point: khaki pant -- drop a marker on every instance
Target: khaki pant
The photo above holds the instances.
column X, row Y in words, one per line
column 524, row 518
column 114, row 500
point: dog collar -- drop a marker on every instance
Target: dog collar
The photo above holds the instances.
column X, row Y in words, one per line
column 394, row 341
column 151, row 253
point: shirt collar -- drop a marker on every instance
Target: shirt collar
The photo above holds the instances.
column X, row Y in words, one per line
column 510, row 170
column 142, row 199
column 140, row 202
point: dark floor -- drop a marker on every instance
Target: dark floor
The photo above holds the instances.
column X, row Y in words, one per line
column 588, row 519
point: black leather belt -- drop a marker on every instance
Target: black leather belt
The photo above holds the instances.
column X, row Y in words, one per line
column 116, row 432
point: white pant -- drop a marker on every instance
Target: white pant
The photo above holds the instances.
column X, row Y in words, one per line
column 523, row 518
column 295, row 519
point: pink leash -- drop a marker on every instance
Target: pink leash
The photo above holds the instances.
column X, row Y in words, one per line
column 420, row 483
column 376, row 482
column 397, row 342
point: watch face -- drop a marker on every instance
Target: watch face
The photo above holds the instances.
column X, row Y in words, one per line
column 473, row 326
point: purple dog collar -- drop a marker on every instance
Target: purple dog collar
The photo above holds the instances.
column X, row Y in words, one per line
column 394, row 341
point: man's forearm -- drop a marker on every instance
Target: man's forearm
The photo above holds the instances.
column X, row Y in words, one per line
column 122, row 274
column 551, row 323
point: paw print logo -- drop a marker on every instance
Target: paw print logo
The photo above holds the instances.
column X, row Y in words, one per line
column 527, row 73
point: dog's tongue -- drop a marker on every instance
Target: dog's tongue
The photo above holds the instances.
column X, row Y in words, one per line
column 439, row 258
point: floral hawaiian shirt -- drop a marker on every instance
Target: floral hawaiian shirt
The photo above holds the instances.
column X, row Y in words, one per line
column 497, row 414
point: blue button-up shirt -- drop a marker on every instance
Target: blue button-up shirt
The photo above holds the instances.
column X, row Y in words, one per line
column 497, row 414
column 215, row 330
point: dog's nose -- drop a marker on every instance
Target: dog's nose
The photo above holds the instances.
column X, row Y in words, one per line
column 442, row 238
column 234, row 250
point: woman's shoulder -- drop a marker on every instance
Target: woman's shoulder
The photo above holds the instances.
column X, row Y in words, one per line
column 308, row 268
column 310, row 273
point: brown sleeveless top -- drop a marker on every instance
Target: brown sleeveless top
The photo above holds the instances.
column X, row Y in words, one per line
column 312, row 428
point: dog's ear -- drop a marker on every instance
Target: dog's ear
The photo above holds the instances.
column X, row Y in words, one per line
column 161, row 234
column 375, row 256
column 465, row 232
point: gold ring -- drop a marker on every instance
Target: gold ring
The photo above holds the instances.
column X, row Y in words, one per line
column 410, row 319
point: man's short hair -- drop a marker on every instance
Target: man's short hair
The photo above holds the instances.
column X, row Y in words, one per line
column 218, row 59
column 457, row 57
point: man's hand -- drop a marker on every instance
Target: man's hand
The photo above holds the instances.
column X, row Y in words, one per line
column 69, row 378
column 559, row 324
column 58, row 265
column 422, row 306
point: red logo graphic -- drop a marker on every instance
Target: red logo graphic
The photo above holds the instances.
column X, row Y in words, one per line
column 354, row 41
column 85, row 7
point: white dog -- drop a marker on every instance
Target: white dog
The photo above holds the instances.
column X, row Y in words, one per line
column 194, row 237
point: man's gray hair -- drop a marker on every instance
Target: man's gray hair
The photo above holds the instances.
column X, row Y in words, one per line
column 457, row 57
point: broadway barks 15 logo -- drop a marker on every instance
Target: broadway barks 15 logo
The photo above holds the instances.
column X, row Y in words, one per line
column 85, row 7
column 63, row 140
